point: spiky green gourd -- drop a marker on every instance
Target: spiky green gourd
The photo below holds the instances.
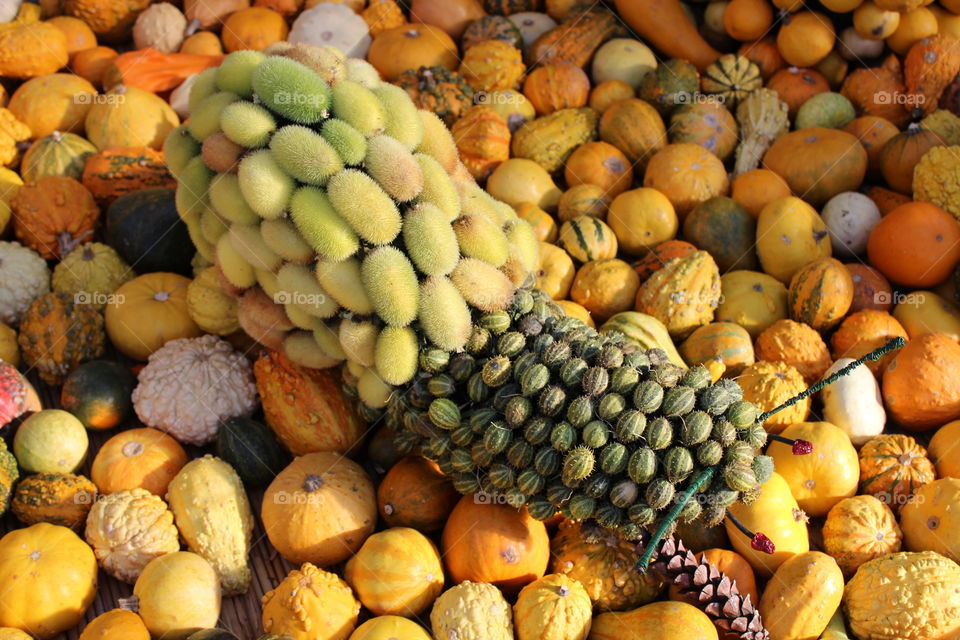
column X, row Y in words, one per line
column 205, row 119
column 291, row 89
column 305, row 154
column 249, row 125
column 265, row 186
column 235, row 73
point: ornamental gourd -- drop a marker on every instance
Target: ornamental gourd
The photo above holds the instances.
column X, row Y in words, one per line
column 645, row 331
column 752, row 300
column 901, row 154
column 575, row 39
column 438, row 90
column 601, row 164
column 149, row 311
column 309, row 595
column 306, row 408
column 130, row 117
column 91, row 272
column 859, row 529
column 790, row 233
column 820, row 293
column 943, row 453
column 655, row 621
column 57, row 333
column 820, row 480
column 551, row 139
column 634, row 127
column 683, row 294
column 127, row 529
column 213, row 515
column 917, row 391
column 587, row 239
column 387, row 627
column 732, row 77
column 802, row 595
column 18, row 395
column 687, row 174
column 494, row 543
column 116, row 623
column 708, row 124
column 669, row 85
column 116, row 171
column 556, row 85
column 553, row 606
column 54, row 215
column 904, row 595
column 50, row 578
column 770, row 384
column 416, row 494
column 320, row 509
column 724, row 229
column 818, row 162
column 137, row 459
column 796, row 344
column 853, row 403
column 396, row 572
column 926, row 312
column 892, row 468
column 643, row 219
column 931, row 521
column 472, row 611
column 483, row 140
column 22, row 58
column 58, row 498
column 603, row 565
column 59, row 154
column 665, row 25
column 176, row 594
column 778, row 516
column 252, row 450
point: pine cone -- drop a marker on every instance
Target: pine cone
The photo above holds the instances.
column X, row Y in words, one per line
column 707, row 588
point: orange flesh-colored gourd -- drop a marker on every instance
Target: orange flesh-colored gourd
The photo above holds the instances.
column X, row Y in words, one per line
column 664, row 24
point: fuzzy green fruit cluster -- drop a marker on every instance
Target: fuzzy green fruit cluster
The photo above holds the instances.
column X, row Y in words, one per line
column 340, row 215
column 544, row 411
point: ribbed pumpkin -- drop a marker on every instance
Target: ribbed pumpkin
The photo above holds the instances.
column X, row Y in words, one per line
column 818, row 163
column 601, row 164
column 721, row 341
column 732, row 77
column 557, row 85
column 492, row 65
column 396, row 572
column 117, row 623
column 892, row 468
column 634, row 127
column 820, row 293
column 58, row 154
column 683, row 294
column 586, row 238
column 141, row 458
column 306, row 408
column 752, row 300
column 790, row 233
column 708, row 124
column 724, row 229
column 319, row 509
column 796, row 344
column 415, row 493
column 603, row 564
column 862, row 332
column 438, row 90
column 859, row 529
column 901, row 154
column 770, row 384
column 802, row 596
column 54, row 215
column 819, row 480
column 687, row 174
column 777, row 515
column 919, row 388
column 57, row 334
column 904, row 595
column 115, row 171
column 494, row 543
column 92, row 271
column 472, row 610
column 306, row 595
column 483, row 140
column 552, row 606
column 58, row 498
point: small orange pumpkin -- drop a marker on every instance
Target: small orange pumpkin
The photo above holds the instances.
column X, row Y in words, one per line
column 796, row 344
column 495, row 543
column 944, row 451
column 754, row 189
column 805, row 38
column 724, row 342
column 859, row 529
column 253, row 28
column 557, row 85
column 916, row 245
column 54, row 215
column 928, row 68
column 746, row 20
column 862, row 332
column 687, row 174
column 920, row 387
column 660, row 255
column 415, row 494
column 91, row 64
column 764, row 54
column 795, row 86
column 603, row 95
column 892, row 468
column 864, row 88
column 144, row 458
column 483, row 139
column 634, row 127
column 932, row 521
column 818, row 163
column 412, row 46
column 873, row 132
column 493, row 65
column 886, row 199
column 914, row 26
column 870, row 289
column 78, row 34
column 901, row 154
column 601, row 164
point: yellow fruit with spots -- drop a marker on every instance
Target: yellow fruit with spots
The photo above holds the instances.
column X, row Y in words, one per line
column 556, row 272
column 605, row 287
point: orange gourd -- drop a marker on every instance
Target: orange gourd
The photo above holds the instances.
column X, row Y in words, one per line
column 746, row 20
column 921, row 386
column 154, row 71
column 870, row 289
column 660, row 255
column 932, row 521
column 78, row 34
column 795, row 86
column 886, row 199
column 495, row 543
column 892, row 468
column 412, row 46
column 142, row 458
column 601, row 164
column 754, row 189
column 202, row 43
column 634, row 127
column 555, row 86
column 862, row 332
column 483, row 140
column 687, row 174
column 90, row 64
column 415, row 494
column 916, row 245
column 452, row 16
column 253, row 28
column 914, row 26
column 54, row 215
column 764, row 54
column 820, row 293
column 944, row 451
column 805, row 38
column 818, row 163
column 902, row 152
column 859, row 529
column 665, row 25
column 603, row 95
column 796, row 344
column 873, row 132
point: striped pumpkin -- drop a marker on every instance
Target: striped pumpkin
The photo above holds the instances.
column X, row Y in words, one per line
column 116, row 171
column 724, row 342
column 732, row 76
column 544, row 226
column 58, row 154
column 820, row 293
column 483, row 139
column 586, row 238
column 893, row 467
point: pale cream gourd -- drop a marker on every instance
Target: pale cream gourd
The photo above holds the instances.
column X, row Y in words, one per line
column 854, row 403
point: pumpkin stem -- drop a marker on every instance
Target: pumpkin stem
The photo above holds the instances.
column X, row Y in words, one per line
column 192, row 27
column 67, row 243
column 312, row 482
column 799, row 447
column 758, row 541
column 57, row 136
column 874, row 355
column 130, row 604
column 661, row 532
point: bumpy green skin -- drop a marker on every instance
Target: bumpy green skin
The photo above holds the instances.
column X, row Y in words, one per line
column 527, row 393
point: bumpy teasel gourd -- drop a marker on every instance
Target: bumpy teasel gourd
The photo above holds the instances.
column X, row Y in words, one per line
column 306, row 177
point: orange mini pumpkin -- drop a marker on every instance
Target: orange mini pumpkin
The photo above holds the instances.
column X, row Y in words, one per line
column 870, row 289
column 144, row 458
column 253, row 28
column 601, row 164
column 862, row 332
column 795, row 86
column 660, row 255
column 634, row 127
column 764, row 54
column 91, row 64
column 493, row 65
column 557, row 85
column 755, row 189
column 859, row 529
column 687, row 174
column 886, row 199
column 902, row 152
column 495, row 543
column 796, row 344
column 608, row 92
column 921, row 388
column 415, row 494
column 411, row 46
column 873, row 132
column 805, row 38
column 916, row 245
column 818, row 163
column 54, row 215
column 944, row 451
column 820, row 293
column 892, row 468
column 932, row 521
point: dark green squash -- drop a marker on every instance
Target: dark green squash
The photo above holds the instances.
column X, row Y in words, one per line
column 673, row 83
column 251, row 448
column 382, row 449
column 491, row 28
column 725, row 230
column 212, row 634
column 508, row 7
column 146, row 230
column 98, row 394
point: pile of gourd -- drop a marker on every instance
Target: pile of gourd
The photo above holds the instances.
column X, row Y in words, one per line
column 285, row 245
